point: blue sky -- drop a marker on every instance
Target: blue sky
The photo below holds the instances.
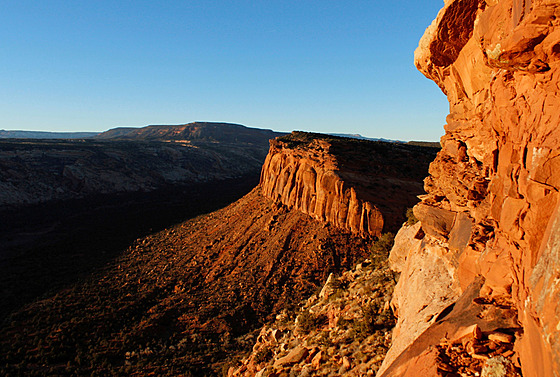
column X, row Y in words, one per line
column 322, row 66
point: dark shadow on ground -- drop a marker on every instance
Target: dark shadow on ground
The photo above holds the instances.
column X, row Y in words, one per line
column 44, row 248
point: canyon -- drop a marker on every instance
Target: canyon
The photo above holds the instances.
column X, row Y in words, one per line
column 68, row 206
column 128, row 160
column 191, row 298
column 477, row 265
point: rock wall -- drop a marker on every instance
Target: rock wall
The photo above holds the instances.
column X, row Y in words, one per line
column 332, row 180
column 491, row 218
column 307, row 180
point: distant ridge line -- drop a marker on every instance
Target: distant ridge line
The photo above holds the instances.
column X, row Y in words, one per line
column 21, row 134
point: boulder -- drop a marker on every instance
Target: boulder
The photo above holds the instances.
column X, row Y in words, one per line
column 295, row 356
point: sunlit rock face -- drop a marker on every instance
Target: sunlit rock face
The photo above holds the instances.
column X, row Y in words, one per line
column 491, row 214
column 307, row 181
column 336, row 180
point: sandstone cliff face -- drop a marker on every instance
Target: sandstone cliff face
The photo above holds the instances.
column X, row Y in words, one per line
column 333, row 179
column 491, row 218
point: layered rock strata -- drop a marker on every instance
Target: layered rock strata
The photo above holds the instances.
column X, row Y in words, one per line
column 336, row 180
column 490, row 222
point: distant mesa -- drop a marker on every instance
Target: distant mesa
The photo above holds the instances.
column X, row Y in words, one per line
column 129, row 160
column 196, row 131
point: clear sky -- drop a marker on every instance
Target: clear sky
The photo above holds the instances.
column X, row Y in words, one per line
column 343, row 66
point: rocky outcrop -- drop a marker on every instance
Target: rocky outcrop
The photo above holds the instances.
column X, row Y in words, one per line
column 490, row 220
column 336, row 180
column 343, row 331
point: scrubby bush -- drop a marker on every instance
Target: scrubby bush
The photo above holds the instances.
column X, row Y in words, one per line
column 374, row 318
column 308, row 322
column 410, row 217
column 264, row 354
column 381, row 248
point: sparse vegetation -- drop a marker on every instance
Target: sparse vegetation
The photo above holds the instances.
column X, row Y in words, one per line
column 361, row 333
column 381, row 248
column 264, row 354
column 410, row 217
column 307, row 321
column 374, row 318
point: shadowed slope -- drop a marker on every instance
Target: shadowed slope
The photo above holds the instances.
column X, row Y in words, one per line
column 185, row 293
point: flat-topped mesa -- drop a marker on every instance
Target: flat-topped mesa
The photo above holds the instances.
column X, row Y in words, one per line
column 492, row 213
column 334, row 179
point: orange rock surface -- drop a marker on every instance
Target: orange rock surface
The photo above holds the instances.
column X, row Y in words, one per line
column 360, row 186
column 492, row 211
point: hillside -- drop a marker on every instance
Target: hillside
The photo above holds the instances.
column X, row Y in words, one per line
column 185, row 300
column 187, row 293
column 68, row 207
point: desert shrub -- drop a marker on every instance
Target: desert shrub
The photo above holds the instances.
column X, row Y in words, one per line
column 324, row 339
column 410, row 217
column 264, row 354
column 381, row 248
column 231, row 362
column 383, row 244
column 338, row 288
column 373, row 319
column 308, row 322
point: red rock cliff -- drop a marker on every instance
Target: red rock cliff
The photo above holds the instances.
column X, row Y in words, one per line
column 335, row 180
column 491, row 219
